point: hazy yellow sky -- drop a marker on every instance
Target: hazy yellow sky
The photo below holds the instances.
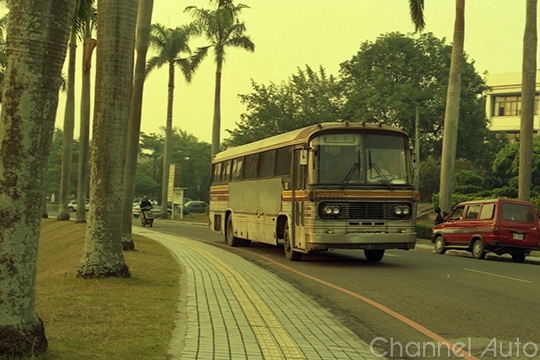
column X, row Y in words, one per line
column 289, row 34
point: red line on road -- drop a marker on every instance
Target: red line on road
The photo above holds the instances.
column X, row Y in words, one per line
column 450, row 345
column 456, row 349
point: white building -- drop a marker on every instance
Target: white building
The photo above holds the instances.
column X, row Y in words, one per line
column 503, row 103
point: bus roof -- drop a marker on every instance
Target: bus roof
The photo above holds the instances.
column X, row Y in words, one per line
column 298, row 136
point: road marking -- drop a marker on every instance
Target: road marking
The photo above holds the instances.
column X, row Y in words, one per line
column 497, row 275
column 274, row 340
column 439, row 339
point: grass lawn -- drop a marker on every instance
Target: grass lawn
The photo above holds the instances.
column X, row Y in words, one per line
column 107, row 318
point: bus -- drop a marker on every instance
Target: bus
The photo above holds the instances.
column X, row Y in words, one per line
column 335, row 185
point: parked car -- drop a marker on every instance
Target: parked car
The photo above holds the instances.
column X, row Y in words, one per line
column 72, row 205
column 195, row 206
column 502, row 226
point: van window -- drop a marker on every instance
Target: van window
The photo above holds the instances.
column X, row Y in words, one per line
column 487, row 211
column 458, row 213
column 517, row 212
column 472, row 212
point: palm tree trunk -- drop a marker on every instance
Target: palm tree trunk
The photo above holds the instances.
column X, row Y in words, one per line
column 167, row 149
column 29, row 104
column 528, row 91
column 103, row 255
column 144, row 18
column 451, row 116
column 67, row 143
column 216, row 125
column 84, row 131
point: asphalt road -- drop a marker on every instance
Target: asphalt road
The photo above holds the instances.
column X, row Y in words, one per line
column 412, row 301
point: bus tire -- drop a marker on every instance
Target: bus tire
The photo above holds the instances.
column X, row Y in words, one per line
column 229, row 234
column 290, row 254
column 374, row 255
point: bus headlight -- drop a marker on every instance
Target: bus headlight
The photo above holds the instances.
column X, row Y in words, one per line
column 331, row 210
column 402, row 210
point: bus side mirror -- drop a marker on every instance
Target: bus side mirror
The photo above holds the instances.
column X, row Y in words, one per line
column 303, row 156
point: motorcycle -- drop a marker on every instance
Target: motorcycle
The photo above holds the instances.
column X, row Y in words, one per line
column 147, row 216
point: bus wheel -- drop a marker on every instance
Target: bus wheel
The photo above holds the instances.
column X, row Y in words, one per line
column 229, row 234
column 290, row 254
column 374, row 255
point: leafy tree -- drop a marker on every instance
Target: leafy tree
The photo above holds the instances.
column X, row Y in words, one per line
column 307, row 98
column 388, row 79
column 507, row 162
column 171, row 44
column 103, row 254
column 30, row 98
column 194, row 158
column 223, row 29
column 192, row 155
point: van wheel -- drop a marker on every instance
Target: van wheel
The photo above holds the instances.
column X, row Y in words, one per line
column 290, row 254
column 229, row 234
column 478, row 249
column 374, row 255
column 518, row 257
column 439, row 245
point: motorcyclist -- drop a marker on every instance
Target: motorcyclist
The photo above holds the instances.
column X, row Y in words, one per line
column 144, row 206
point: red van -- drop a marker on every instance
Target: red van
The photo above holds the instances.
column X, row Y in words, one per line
column 502, row 226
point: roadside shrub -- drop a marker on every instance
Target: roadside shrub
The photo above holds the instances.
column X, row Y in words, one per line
column 505, row 192
column 423, row 231
column 467, row 178
column 468, row 189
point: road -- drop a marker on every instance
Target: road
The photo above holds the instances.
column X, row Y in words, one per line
column 412, row 299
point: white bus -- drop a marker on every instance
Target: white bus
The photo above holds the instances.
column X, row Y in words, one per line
column 328, row 186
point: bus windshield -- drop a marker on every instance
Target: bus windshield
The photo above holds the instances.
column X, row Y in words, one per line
column 360, row 158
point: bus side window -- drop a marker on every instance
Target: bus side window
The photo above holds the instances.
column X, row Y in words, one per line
column 226, row 171
column 267, row 162
column 216, row 174
column 237, row 169
column 251, row 167
column 283, row 162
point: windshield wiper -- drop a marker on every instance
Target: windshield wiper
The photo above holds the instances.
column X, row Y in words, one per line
column 372, row 165
column 349, row 174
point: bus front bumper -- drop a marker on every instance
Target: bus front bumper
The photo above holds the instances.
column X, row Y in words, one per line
column 318, row 242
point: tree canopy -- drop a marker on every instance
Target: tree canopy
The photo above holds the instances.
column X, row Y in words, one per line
column 385, row 81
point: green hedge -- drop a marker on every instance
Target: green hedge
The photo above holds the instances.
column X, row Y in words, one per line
column 423, row 231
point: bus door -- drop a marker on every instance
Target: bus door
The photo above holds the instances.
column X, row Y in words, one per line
column 299, row 199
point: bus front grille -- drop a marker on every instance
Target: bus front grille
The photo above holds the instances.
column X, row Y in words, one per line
column 365, row 210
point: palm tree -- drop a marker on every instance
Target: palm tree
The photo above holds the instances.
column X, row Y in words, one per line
column 30, row 98
column 82, row 9
column 222, row 29
column 171, row 44
column 103, row 255
column 528, row 92
column 144, row 19
column 451, row 116
column 87, row 28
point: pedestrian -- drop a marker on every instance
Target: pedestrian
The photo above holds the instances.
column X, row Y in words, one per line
column 438, row 218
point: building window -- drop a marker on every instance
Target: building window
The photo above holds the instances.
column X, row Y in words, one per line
column 511, row 106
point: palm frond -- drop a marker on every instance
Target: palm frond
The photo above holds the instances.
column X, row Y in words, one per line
column 417, row 14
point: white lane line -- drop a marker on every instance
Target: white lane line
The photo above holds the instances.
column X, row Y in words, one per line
column 497, row 275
